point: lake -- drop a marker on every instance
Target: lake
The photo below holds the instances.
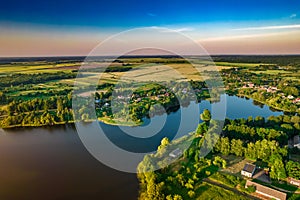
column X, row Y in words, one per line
column 52, row 163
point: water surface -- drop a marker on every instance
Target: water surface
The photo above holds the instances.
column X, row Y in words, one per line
column 52, row 163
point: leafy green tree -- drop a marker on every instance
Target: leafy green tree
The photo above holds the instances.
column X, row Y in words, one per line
column 250, row 151
column 225, row 146
column 205, row 116
column 237, row 147
column 277, row 167
column 293, row 169
column 164, row 142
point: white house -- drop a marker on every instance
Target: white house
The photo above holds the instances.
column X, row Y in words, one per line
column 248, row 170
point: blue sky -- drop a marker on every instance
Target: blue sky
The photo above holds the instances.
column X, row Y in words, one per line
column 133, row 13
column 199, row 19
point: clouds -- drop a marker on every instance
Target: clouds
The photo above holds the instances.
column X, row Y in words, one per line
column 291, row 26
column 151, row 14
column 293, row 16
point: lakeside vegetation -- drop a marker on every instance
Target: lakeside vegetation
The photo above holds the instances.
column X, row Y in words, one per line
column 39, row 92
column 183, row 178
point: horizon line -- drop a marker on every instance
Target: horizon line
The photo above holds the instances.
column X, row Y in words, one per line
column 159, row 55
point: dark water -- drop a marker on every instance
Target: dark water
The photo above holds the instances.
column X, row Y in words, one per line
column 52, row 163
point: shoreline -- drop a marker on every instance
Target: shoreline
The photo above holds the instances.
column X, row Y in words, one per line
column 266, row 103
column 103, row 120
column 114, row 122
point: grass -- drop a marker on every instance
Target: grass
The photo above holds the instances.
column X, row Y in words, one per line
column 272, row 72
column 235, row 164
column 208, row 191
column 237, row 64
column 226, row 179
column 119, row 122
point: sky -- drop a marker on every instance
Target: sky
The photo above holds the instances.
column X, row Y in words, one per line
column 71, row 28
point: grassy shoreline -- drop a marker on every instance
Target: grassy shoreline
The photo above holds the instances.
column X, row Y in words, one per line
column 266, row 103
column 103, row 120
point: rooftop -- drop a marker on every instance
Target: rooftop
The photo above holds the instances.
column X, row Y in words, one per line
column 266, row 191
column 249, row 168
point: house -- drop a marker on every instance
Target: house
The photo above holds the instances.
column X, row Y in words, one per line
column 175, row 153
column 293, row 181
column 248, row 170
column 251, row 85
column 290, row 97
column 265, row 192
column 296, row 142
column 296, row 100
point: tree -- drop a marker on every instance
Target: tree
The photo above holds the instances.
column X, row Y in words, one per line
column 220, row 162
column 191, row 194
column 225, row 146
column 237, row 147
column 163, row 144
column 205, row 116
column 293, row 169
column 277, row 167
column 2, row 98
column 177, row 197
column 201, row 129
column 250, row 151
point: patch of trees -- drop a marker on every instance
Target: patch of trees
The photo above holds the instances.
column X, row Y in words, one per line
column 23, row 79
column 3, row 98
column 123, row 68
column 280, row 60
column 293, row 169
column 279, row 128
column 38, row 112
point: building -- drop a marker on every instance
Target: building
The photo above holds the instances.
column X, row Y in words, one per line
column 296, row 100
column 296, row 142
column 293, row 181
column 175, row 153
column 265, row 192
column 248, row 170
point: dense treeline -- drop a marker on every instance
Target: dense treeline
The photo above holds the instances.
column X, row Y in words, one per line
column 23, row 79
column 38, row 112
column 280, row 128
column 279, row 60
column 125, row 67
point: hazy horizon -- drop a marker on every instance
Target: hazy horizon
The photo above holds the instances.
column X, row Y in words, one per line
column 39, row 29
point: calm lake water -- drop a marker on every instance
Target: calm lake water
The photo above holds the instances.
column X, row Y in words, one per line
column 52, row 163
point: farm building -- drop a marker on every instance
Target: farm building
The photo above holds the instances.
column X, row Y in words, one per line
column 265, row 192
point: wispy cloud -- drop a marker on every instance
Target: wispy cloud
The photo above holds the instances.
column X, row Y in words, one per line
column 170, row 29
column 293, row 26
column 293, row 15
column 181, row 30
column 151, row 14
column 246, row 36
